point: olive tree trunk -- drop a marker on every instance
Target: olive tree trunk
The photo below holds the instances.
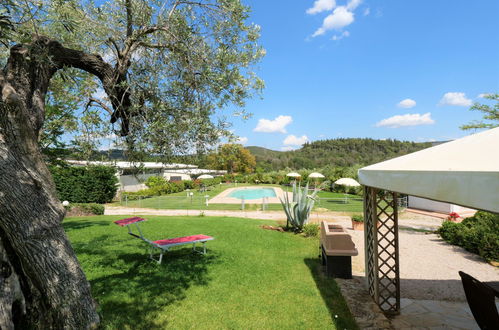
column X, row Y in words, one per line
column 41, row 282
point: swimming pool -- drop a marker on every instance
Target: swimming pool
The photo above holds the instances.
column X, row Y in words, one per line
column 253, row 193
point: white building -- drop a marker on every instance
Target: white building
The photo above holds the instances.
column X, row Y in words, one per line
column 132, row 175
column 425, row 204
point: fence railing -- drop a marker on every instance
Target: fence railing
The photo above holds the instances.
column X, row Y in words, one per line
column 346, row 203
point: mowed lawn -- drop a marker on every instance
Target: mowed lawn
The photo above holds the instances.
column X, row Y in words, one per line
column 250, row 278
column 181, row 201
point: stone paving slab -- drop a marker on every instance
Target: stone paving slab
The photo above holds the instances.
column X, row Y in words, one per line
column 434, row 314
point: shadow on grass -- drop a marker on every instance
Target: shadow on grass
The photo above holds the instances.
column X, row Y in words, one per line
column 331, row 294
column 131, row 289
column 84, row 223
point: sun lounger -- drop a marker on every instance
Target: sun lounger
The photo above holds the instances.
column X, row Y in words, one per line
column 164, row 244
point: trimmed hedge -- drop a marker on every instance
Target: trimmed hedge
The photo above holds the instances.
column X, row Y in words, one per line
column 478, row 234
column 280, row 177
column 157, row 186
column 87, row 208
column 92, row 184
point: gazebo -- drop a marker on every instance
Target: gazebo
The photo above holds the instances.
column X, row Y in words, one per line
column 463, row 172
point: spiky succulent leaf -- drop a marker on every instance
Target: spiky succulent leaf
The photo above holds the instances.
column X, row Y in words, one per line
column 299, row 210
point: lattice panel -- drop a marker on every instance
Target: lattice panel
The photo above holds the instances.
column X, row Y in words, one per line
column 381, row 241
column 370, row 241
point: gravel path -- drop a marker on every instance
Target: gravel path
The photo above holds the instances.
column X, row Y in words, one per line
column 428, row 265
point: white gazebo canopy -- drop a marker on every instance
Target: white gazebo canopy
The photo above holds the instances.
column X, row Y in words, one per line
column 463, row 172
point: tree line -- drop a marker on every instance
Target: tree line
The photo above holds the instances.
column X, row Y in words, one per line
column 343, row 152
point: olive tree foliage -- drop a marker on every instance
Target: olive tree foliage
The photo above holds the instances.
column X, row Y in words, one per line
column 490, row 117
column 177, row 64
column 163, row 76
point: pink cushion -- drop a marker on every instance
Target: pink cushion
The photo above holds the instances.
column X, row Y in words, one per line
column 185, row 239
column 127, row 221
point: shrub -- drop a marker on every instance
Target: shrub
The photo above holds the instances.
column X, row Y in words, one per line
column 155, row 181
column 135, row 195
column 358, row 218
column 478, row 234
column 189, row 184
column 85, row 208
column 178, row 186
column 92, row 184
column 311, row 230
column 210, row 182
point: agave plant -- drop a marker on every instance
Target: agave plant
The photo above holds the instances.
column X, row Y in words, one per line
column 298, row 210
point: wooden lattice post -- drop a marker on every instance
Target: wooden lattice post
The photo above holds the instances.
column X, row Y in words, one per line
column 382, row 248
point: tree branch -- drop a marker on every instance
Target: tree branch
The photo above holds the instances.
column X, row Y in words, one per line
column 100, row 104
column 129, row 20
column 114, row 80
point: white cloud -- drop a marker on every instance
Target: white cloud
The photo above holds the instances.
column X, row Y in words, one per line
column 407, row 103
column 422, row 139
column 287, row 148
column 340, row 18
column 352, row 4
column 109, row 56
column 367, row 11
column 341, row 36
column 292, row 140
column 242, row 140
column 415, row 119
column 108, row 142
column 455, row 98
column 270, row 126
column 100, row 94
column 320, row 6
column 111, row 136
column 483, row 95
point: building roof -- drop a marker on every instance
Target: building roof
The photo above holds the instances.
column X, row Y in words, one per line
column 128, row 165
column 463, row 172
column 196, row 171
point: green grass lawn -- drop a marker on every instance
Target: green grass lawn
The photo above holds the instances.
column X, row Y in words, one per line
column 251, row 278
column 340, row 202
column 180, row 201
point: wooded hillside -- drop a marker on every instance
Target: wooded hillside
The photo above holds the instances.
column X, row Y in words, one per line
column 337, row 152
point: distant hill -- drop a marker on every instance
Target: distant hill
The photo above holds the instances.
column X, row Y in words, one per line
column 317, row 154
column 336, row 152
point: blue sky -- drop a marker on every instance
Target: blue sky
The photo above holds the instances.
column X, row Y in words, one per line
column 407, row 70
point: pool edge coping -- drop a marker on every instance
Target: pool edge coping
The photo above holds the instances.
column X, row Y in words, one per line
column 223, row 198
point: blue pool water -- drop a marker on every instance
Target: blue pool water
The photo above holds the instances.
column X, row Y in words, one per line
column 253, row 193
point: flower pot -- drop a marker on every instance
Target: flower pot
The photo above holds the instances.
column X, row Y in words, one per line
column 356, row 225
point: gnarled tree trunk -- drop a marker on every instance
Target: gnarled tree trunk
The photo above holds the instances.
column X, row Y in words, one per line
column 41, row 282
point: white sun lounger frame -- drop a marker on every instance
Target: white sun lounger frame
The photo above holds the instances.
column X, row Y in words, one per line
column 164, row 247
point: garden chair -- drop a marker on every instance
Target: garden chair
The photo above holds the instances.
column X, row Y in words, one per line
column 163, row 245
column 481, row 299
